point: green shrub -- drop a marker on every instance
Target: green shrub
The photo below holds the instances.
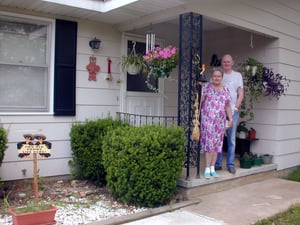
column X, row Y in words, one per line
column 294, row 175
column 144, row 163
column 86, row 146
column 3, row 143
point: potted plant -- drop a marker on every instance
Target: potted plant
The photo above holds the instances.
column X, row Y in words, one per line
column 133, row 63
column 160, row 63
column 246, row 161
column 252, row 71
column 257, row 160
column 259, row 81
column 267, row 159
column 34, row 212
column 242, row 130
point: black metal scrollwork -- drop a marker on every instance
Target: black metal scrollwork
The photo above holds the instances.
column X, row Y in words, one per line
column 190, row 47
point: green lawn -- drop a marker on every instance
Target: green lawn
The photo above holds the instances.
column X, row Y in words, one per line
column 289, row 217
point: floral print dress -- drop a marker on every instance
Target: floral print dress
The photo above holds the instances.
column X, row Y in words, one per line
column 213, row 117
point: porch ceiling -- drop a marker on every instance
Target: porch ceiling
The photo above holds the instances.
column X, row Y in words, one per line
column 132, row 16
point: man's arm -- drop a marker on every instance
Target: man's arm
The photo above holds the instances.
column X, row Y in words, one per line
column 240, row 98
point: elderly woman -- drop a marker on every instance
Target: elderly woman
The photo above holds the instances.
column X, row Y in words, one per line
column 215, row 105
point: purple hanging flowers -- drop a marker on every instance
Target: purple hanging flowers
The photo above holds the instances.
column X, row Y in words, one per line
column 274, row 84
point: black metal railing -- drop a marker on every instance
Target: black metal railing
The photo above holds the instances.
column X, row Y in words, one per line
column 139, row 120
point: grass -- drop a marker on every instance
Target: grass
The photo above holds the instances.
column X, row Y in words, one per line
column 290, row 216
column 294, row 175
column 32, row 207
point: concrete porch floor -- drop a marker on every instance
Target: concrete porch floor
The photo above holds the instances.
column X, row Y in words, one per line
column 194, row 186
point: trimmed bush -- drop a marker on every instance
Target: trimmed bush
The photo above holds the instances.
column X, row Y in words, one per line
column 86, row 146
column 3, row 143
column 144, row 163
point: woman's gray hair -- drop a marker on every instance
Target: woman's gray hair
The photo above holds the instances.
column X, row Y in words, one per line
column 217, row 69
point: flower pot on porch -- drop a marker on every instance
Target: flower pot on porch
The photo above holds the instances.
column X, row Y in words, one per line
column 251, row 133
column 33, row 218
column 267, row 159
column 257, row 161
column 242, row 135
column 246, row 163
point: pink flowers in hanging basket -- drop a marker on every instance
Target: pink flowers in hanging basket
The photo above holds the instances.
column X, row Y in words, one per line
column 161, row 61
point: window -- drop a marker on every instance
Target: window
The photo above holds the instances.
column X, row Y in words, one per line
column 24, row 64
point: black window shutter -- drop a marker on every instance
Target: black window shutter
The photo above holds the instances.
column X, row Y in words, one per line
column 65, row 68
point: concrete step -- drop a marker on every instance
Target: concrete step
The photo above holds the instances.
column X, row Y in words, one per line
column 194, row 187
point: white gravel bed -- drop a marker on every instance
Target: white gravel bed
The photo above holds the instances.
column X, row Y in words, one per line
column 77, row 214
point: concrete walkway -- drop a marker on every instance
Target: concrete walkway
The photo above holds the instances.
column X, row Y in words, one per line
column 249, row 203
column 181, row 216
column 243, row 205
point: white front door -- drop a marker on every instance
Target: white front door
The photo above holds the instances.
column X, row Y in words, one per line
column 136, row 97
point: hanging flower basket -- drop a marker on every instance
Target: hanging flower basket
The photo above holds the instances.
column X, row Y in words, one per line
column 161, row 72
column 161, row 61
column 132, row 69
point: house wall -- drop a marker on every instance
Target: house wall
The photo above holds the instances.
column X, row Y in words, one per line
column 94, row 99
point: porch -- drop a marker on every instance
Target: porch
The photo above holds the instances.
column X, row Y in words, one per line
column 195, row 187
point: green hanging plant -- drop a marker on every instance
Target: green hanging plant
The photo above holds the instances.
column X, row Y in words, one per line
column 259, row 81
column 252, row 71
column 130, row 61
column 133, row 63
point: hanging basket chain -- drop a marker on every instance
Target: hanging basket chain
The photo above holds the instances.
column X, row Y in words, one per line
column 133, row 52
